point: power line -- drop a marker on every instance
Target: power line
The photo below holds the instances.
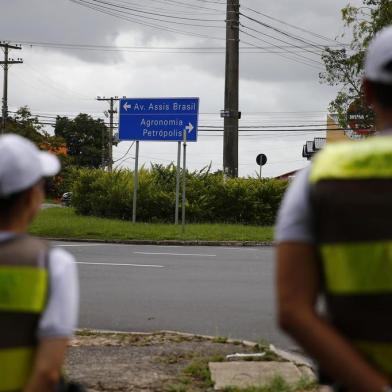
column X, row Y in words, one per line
column 296, row 27
column 188, row 10
column 97, row 5
column 297, row 60
column 125, row 155
column 291, row 46
column 292, row 36
column 153, row 13
column 154, row 26
column 185, row 5
column 168, row 50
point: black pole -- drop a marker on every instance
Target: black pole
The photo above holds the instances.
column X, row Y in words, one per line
column 230, row 141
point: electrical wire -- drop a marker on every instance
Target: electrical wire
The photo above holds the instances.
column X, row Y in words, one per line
column 295, row 59
column 97, row 5
column 124, row 154
column 153, row 13
column 291, row 36
column 312, row 33
column 188, row 11
column 185, row 5
column 163, row 50
column 280, row 40
column 151, row 25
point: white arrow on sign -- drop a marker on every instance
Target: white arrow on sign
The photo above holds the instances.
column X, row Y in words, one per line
column 189, row 127
column 127, row 106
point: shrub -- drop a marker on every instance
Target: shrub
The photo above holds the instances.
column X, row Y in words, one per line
column 63, row 182
column 210, row 197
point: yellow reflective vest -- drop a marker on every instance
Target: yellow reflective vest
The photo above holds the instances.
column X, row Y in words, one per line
column 23, row 294
column 351, row 195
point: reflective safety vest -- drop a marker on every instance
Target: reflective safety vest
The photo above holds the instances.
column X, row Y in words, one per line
column 351, row 194
column 23, row 294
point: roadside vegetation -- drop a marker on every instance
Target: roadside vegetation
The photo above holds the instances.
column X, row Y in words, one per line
column 65, row 223
column 211, row 198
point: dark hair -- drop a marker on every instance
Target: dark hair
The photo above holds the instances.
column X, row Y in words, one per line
column 383, row 94
column 8, row 203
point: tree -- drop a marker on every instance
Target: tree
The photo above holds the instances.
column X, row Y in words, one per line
column 28, row 126
column 344, row 67
column 86, row 138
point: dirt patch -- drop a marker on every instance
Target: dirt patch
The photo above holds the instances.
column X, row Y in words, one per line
column 146, row 362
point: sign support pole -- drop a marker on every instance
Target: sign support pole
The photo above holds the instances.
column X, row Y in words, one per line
column 178, row 183
column 184, row 182
column 135, row 182
column 260, row 171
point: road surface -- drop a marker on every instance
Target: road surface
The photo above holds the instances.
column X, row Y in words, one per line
column 205, row 290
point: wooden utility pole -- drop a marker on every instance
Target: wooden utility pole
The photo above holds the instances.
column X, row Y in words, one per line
column 6, row 63
column 231, row 114
column 111, row 111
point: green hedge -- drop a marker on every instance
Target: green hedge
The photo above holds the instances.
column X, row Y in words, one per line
column 210, row 197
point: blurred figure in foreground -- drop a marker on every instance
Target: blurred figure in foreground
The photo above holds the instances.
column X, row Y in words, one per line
column 38, row 284
column 334, row 235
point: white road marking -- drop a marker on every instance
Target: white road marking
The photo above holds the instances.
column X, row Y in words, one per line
column 123, row 265
column 241, row 248
column 75, row 245
column 173, row 254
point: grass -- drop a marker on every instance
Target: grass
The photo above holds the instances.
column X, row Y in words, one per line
column 64, row 223
column 220, row 339
column 278, row 384
column 195, row 377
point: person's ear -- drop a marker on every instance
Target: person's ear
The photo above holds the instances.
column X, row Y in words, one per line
column 33, row 200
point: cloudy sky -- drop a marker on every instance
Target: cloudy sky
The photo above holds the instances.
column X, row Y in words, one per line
column 74, row 51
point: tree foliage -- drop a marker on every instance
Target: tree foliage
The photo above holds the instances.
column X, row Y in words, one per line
column 86, row 138
column 344, row 67
column 28, row 126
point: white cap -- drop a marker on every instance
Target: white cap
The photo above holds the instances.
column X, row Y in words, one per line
column 22, row 164
column 378, row 63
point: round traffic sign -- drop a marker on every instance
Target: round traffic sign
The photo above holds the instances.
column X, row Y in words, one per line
column 261, row 159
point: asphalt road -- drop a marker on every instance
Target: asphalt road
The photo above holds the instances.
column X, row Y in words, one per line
column 205, row 290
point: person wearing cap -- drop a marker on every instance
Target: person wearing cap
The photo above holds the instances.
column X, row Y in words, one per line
column 334, row 235
column 38, row 284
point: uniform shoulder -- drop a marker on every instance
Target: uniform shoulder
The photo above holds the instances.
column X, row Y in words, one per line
column 367, row 158
column 61, row 260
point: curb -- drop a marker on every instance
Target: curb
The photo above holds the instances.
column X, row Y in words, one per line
column 240, row 244
column 162, row 332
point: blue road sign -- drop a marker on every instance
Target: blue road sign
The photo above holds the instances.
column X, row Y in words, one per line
column 158, row 119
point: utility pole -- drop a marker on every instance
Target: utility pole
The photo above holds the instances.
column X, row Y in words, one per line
column 230, row 113
column 111, row 111
column 6, row 63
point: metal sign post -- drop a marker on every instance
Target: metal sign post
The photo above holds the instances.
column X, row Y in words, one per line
column 184, row 180
column 178, row 183
column 135, row 182
column 261, row 160
column 159, row 119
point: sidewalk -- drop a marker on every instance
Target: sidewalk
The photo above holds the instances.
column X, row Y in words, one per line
column 173, row 362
